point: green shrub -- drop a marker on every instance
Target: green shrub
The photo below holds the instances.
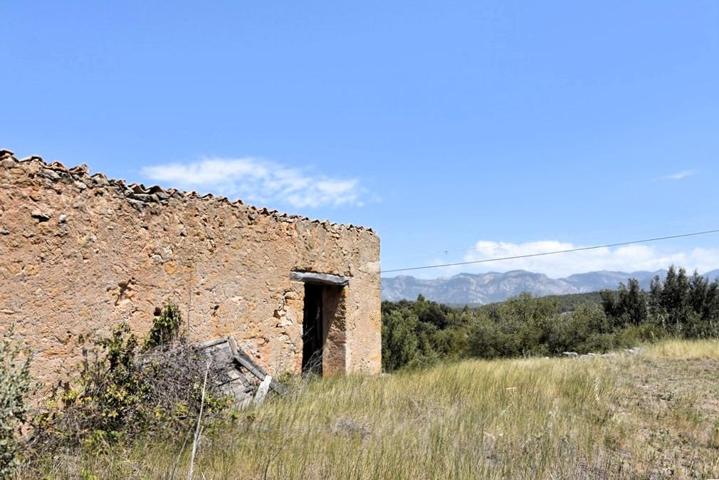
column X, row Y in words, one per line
column 165, row 326
column 124, row 391
column 635, row 334
column 399, row 340
column 418, row 334
column 15, row 385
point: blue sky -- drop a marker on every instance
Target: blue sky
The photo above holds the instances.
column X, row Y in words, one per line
column 519, row 125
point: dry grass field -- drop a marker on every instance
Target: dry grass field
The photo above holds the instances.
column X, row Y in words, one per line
column 652, row 414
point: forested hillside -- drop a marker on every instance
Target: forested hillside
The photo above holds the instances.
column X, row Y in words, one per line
column 565, row 303
column 421, row 332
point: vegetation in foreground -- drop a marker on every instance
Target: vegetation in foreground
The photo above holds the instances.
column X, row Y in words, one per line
column 648, row 415
column 125, row 391
column 15, row 384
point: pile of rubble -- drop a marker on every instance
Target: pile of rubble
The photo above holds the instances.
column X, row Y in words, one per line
column 627, row 351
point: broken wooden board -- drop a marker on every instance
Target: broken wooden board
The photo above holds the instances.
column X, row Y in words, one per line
column 233, row 381
column 241, row 376
column 244, row 360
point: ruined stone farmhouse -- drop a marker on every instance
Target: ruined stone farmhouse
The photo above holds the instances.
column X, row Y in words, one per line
column 80, row 253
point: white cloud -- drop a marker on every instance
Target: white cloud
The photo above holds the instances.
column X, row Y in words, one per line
column 257, row 180
column 627, row 258
column 680, row 175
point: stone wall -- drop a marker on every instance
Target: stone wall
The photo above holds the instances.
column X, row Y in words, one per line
column 80, row 253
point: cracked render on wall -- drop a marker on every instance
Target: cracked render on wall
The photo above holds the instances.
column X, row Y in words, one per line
column 80, row 253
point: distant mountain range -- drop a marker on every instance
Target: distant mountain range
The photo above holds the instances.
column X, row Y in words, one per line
column 483, row 288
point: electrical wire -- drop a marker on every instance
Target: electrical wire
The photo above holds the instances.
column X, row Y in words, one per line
column 555, row 252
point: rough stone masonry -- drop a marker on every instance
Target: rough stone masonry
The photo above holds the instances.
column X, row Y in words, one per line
column 80, row 253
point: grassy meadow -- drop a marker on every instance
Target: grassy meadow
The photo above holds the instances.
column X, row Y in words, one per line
column 652, row 414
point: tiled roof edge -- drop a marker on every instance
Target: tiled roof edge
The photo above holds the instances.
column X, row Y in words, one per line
column 140, row 195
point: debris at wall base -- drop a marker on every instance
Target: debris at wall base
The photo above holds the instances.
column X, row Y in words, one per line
column 241, row 378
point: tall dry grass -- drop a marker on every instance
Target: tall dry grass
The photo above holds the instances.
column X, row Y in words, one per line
column 533, row 418
column 683, row 349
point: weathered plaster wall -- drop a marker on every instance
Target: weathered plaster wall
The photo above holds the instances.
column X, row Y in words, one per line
column 80, row 253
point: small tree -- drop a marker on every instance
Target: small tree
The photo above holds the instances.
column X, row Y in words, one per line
column 15, row 384
column 165, row 327
column 399, row 340
column 627, row 305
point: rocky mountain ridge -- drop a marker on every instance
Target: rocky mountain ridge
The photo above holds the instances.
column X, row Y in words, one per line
column 482, row 288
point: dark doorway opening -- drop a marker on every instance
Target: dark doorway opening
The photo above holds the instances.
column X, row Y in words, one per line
column 313, row 330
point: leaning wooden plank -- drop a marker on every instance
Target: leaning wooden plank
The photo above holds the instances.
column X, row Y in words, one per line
column 237, row 352
column 233, row 346
column 247, row 362
column 262, row 390
column 211, row 343
column 243, row 359
column 256, row 370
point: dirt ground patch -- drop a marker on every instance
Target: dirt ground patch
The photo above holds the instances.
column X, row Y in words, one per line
column 669, row 408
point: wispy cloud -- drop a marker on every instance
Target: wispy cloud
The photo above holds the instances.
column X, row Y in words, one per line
column 258, row 180
column 679, row 175
column 627, row 258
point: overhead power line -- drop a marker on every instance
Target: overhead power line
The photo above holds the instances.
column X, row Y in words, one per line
column 555, row 252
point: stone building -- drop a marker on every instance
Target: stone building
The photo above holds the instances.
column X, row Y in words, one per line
column 80, row 253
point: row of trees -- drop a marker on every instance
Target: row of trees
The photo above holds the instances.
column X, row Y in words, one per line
column 422, row 332
column 682, row 305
